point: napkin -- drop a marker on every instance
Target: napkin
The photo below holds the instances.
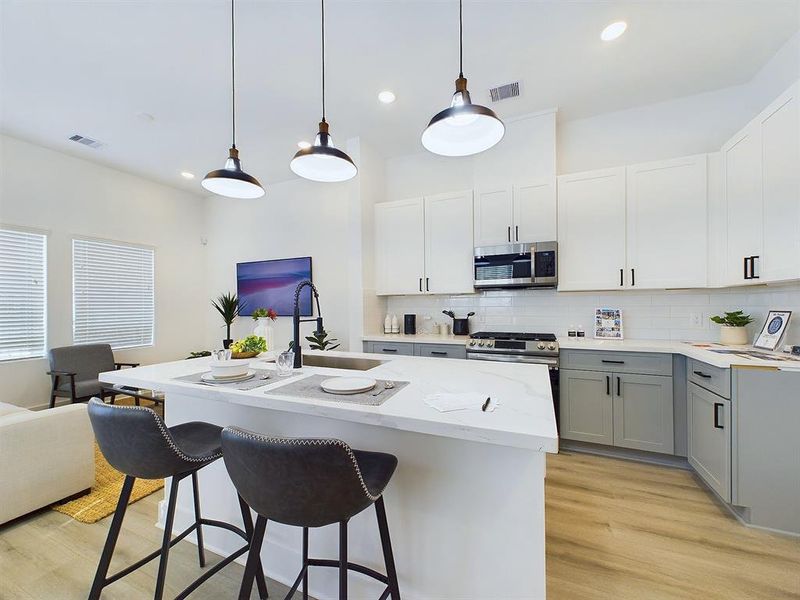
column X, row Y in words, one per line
column 446, row 402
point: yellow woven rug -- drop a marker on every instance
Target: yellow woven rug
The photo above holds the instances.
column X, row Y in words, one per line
column 102, row 500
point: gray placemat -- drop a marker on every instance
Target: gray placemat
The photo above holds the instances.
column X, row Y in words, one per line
column 309, row 387
column 249, row 384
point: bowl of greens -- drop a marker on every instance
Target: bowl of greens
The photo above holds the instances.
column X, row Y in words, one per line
column 248, row 347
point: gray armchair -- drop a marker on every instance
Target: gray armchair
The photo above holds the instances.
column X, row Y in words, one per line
column 75, row 371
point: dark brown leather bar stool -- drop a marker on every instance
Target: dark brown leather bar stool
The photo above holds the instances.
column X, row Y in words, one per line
column 309, row 482
column 135, row 441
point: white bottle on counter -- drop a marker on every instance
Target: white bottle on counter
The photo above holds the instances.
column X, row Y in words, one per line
column 395, row 324
column 387, row 324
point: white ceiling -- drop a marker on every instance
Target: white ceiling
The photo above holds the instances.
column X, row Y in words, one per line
column 93, row 67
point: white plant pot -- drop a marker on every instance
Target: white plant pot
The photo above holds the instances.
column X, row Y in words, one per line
column 264, row 329
column 733, row 336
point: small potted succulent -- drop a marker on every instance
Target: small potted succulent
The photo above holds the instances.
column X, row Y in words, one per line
column 733, row 332
column 228, row 307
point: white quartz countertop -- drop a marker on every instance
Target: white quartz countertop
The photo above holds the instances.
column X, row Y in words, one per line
column 419, row 338
column 523, row 418
column 702, row 351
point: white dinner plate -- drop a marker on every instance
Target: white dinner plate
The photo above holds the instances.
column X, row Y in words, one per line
column 348, row 385
column 209, row 377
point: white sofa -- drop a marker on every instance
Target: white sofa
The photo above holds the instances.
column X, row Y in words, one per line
column 45, row 456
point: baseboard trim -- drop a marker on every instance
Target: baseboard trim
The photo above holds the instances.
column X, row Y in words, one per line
column 663, row 460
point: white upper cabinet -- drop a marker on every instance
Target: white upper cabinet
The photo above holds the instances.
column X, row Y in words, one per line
column 524, row 212
column 667, row 228
column 494, row 215
column 448, row 243
column 424, row 245
column 780, row 172
column 591, row 230
column 742, row 188
column 400, row 247
column 535, row 211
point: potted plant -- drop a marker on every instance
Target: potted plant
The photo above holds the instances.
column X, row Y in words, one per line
column 320, row 341
column 262, row 317
column 733, row 332
column 229, row 307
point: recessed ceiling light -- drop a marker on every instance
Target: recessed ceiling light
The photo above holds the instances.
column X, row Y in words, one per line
column 613, row 31
column 187, row 175
column 386, row 96
column 303, row 145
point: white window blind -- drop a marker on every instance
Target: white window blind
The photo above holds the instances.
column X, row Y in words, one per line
column 23, row 294
column 112, row 289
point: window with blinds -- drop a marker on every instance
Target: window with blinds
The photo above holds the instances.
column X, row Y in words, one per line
column 23, row 294
column 112, row 290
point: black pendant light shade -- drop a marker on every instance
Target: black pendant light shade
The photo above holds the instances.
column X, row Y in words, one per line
column 230, row 181
column 323, row 161
column 463, row 128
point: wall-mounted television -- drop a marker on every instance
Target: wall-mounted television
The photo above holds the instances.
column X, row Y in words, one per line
column 271, row 284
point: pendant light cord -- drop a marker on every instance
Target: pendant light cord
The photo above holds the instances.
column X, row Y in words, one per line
column 460, row 39
column 322, row 2
column 233, row 76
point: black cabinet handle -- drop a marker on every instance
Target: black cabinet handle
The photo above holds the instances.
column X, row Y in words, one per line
column 613, row 362
column 516, row 232
column 633, row 277
column 388, row 349
column 509, row 233
column 438, row 353
column 621, row 277
column 717, row 406
column 701, row 374
column 619, row 388
column 746, row 275
column 608, row 385
column 753, row 267
column 427, row 284
column 420, row 284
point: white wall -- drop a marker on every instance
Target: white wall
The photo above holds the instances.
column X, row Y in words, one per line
column 295, row 218
column 67, row 196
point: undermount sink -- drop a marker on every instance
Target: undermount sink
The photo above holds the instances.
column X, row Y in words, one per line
column 340, row 362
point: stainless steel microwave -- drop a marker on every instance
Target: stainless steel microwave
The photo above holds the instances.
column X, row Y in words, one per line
column 517, row 265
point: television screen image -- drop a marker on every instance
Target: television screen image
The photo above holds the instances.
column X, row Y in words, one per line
column 271, row 284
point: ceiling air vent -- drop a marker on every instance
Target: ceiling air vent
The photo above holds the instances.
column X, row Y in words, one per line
column 86, row 141
column 502, row 92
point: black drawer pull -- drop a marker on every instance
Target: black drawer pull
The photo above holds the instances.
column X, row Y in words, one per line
column 613, row 362
column 438, row 353
column 388, row 349
column 717, row 406
column 701, row 374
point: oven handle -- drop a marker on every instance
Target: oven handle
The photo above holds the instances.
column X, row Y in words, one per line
column 552, row 363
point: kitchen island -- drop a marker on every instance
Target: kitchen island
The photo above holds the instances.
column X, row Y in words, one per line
column 466, row 505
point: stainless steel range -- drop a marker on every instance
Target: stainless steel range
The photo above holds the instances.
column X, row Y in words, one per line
column 533, row 348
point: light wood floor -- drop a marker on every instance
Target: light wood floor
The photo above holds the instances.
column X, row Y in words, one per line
column 615, row 530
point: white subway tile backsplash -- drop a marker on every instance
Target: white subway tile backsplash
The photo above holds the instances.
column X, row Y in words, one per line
column 646, row 314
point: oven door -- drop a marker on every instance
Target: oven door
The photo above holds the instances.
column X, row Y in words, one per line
column 509, row 265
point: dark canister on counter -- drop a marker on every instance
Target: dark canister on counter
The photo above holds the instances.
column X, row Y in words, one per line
column 410, row 324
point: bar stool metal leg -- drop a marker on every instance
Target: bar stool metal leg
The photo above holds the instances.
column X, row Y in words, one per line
column 305, row 563
column 165, row 545
column 201, row 555
column 111, row 540
column 247, row 519
column 253, row 558
column 386, row 543
column 343, row 560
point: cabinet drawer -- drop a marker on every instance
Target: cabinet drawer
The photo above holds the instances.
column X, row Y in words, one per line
column 715, row 379
column 440, row 350
column 396, row 348
column 640, row 363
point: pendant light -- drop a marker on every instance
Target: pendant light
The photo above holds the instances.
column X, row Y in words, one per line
column 231, row 181
column 464, row 128
column 323, row 161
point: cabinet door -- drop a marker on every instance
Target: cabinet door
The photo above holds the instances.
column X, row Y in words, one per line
column 535, row 211
column 667, row 225
column 400, row 247
column 448, row 244
column 494, row 216
column 586, row 406
column 780, row 151
column 742, row 190
column 709, row 419
column 591, row 230
column 643, row 415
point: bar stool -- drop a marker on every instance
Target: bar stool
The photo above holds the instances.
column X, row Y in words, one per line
column 135, row 441
column 308, row 482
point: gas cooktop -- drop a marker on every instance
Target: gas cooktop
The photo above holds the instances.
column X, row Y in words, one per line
column 505, row 335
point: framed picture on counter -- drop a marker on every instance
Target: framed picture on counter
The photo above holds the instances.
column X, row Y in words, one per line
column 774, row 329
column 608, row 323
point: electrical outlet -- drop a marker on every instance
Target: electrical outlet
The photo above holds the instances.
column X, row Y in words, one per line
column 696, row 320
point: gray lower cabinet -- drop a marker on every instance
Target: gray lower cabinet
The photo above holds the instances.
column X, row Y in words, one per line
column 415, row 349
column 643, row 413
column 709, row 420
column 392, row 348
column 586, row 406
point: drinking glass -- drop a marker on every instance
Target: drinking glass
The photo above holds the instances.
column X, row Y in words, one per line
column 285, row 363
column 221, row 355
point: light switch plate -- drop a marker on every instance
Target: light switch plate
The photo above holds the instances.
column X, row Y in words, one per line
column 696, row 320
